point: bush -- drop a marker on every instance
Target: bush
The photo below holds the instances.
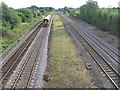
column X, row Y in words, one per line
column 4, row 46
column 9, row 17
column 104, row 18
column 25, row 14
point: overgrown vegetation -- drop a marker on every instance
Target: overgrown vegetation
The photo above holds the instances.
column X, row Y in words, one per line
column 104, row 18
column 64, row 68
column 15, row 22
column 10, row 36
column 12, row 17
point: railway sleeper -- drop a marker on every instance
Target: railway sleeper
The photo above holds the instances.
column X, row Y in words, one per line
column 7, row 76
column 5, row 79
column 106, row 67
column 114, row 76
column 109, row 70
column 115, row 79
column 118, row 85
column 111, row 73
column 104, row 64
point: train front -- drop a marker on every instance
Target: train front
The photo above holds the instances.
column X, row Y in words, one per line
column 46, row 21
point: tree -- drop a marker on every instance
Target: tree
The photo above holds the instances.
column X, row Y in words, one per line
column 35, row 12
column 106, row 19
column 66, row 10
column 27, row 13
column 22, row 16
column 9, row 17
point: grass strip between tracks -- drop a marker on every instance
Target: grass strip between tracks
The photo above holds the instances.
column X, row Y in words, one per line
column 64, row 68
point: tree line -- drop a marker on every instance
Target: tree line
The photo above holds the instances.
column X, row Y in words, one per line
column 106, row 19
column 12, row 17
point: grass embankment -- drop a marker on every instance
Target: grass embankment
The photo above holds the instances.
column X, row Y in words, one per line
column 10, row 36
column 64, row 68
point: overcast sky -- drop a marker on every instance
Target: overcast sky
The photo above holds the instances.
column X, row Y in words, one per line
column 57, row 3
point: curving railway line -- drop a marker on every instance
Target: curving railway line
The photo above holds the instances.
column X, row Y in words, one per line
column 98, row 50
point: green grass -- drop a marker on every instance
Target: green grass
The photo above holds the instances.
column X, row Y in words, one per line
column 10, row 36
column 64, row 61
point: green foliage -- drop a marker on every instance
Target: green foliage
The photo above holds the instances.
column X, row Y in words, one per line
column 104, row 18
column 10, row 36
column 74, row 13
column 35, row 12
column 42, row 10
column 66, row 10
column 46, row 9
column 5, row 46
column 114, row 24
column 22, row 16
column 9, row 17
column 87, row 11
column 27, row 14
column 39, row 14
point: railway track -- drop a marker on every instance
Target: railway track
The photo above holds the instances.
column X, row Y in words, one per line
column 110, row 72
column 24, row 77
column 15, row 58
column 112, row 57
column 22, row 70
column 105, row 47
column 111, row 51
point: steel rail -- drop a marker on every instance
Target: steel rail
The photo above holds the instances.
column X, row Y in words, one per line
column 19, row 46
column 23, row 67
column 116, row 84
column 34, row 66
column 12, row 67
column 102, row 47
column 102, row 42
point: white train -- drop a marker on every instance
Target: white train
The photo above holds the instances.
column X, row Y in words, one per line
column 46, row 21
